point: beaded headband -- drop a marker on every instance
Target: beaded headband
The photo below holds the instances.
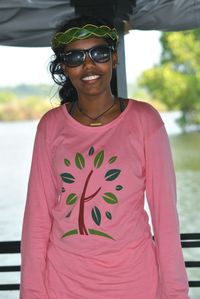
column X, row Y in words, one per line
column 79, row 33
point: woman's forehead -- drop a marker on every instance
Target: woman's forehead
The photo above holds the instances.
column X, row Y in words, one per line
column 85, row 43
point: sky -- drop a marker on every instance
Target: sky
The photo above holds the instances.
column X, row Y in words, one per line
column 20, row 65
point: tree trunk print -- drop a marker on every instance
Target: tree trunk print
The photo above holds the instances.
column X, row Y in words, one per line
column 81, row 222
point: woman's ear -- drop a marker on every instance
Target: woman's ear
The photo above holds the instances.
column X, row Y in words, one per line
column 114, row 60
column 64, row 69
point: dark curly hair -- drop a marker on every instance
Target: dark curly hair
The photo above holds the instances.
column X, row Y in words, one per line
column 67, row 92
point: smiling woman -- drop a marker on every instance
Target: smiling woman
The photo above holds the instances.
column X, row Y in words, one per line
column 83, row 67
column 94, row 52
column 86, row 232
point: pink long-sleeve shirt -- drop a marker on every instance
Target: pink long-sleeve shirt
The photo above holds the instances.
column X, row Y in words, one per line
column 86, row 234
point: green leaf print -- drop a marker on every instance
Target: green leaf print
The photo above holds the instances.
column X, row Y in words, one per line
column 112, row 159
column 67, row 162
column 96, row 215
column 99, row 233
column 67, row 178
column 110, row 198
column 71, row 199
column 119, row 187
column 91, row 151
column 112, row 174
column 70, row 233
column 108, row 215
column 80, row 161
column 99, row 159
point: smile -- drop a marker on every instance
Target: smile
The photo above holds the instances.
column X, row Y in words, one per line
column 90, row 78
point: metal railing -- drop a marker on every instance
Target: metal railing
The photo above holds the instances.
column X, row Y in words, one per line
column 190, row 240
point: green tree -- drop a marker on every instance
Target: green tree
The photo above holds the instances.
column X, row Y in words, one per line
column 175, row 80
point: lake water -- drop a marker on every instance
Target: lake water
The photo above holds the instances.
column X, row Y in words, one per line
column 15, row 158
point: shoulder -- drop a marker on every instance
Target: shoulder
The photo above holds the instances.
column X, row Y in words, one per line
column 147, row 115
column 144, row 109
column 51, row 123
column 51, row 118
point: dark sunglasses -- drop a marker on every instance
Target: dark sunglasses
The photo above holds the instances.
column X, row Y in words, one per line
column 98, row 54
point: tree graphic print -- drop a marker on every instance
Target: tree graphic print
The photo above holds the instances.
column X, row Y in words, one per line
column 109, row 197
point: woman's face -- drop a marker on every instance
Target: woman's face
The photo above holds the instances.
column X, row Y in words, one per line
column 90, row 78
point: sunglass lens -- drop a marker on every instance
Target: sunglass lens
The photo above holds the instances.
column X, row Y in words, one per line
column 101, row 54
column 73, row 58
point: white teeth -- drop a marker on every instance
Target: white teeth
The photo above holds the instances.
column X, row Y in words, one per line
column 91, row 77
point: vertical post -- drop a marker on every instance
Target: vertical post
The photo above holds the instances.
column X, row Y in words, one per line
column 121, row 69
column 119, row 83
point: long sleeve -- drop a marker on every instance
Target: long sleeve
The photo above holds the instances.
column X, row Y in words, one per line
column 161, row 196
column 37, row 220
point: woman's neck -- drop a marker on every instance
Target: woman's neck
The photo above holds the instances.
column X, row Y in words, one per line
column 96, row 104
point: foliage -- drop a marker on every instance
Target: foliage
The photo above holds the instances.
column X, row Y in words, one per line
column 175, row 80
column 24, row 102
column 6, row 96
column 31, row 107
